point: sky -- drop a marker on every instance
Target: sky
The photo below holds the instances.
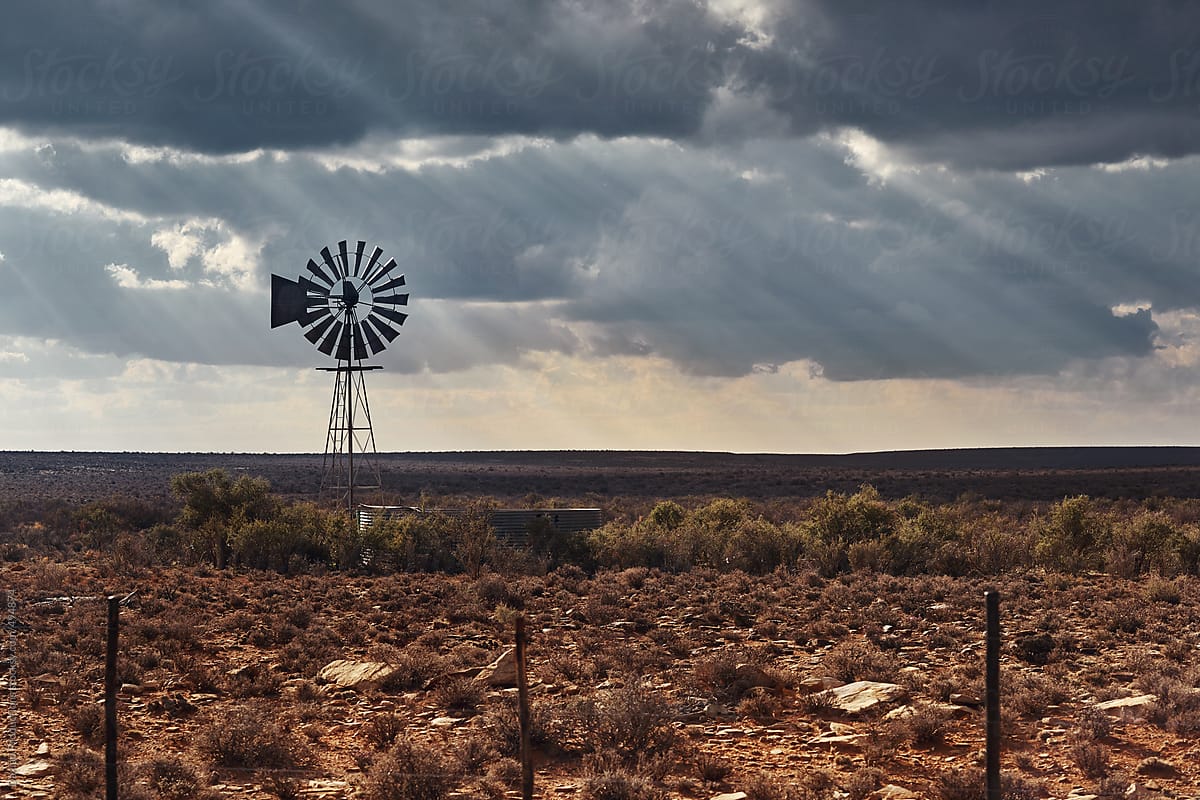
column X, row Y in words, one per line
column 803, row 226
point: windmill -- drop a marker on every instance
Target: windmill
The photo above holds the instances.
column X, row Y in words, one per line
column 347, row 308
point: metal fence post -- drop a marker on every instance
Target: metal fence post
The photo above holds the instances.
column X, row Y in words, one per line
column 992, row 599
column 523, row 712
column 110, row 700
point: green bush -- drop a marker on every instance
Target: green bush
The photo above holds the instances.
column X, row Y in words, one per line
column 668, row 514
column 858, row 517
column 1072, row 536
column 1149, row 542
column 215, row 505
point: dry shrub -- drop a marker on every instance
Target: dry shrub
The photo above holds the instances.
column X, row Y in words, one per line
column 1014, row 786
column 410, row 771
column 860, row 661
column 863, row 782
column 415, row 666
column 1177, row 708
column 460, row 694
column 1090, row 757
column 1092, row 723
column 926, row 726
column 172, row 778
column 760, row 705
column 961, row 784
column 619, row 784
column 718, row 671
column 634, row 721
column 1162, row 590
column 88, row 721
column 761, row 786
column 1030, row 693
column 80, row 773
column 713, row 768
column 382, row 729
column 251, row 738
column 819, row 703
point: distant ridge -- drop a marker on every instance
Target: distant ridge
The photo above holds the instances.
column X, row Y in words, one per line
column 986, row 458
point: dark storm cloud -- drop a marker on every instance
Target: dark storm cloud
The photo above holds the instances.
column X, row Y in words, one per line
column 236, row 76
column 991, row 84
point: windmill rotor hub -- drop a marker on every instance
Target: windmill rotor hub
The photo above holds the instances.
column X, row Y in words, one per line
column 349, row 294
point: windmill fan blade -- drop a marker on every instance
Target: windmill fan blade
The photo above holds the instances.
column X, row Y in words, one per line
column 345, row 262
column 394, row 316
column 375, row 254
column 328, row 343
column 343, row 347
column 392, row 299
column 358, row 251
column 314, row 333
column 392, row 284
column 372, row 337
column 388, row 267
column 288, row 301
column 360, row 348
column 313, row 316
column 388, row 331
column 329, row 262
column 320, row 273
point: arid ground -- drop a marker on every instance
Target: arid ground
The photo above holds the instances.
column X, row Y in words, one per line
column 689, row 678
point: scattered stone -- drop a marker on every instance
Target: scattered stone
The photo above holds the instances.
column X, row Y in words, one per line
column 850, row 741
column 859, row 696
column 43, row 749
column 715, row 710
column 1128, row 709
column 748, row 676
column 34, row 769
column 1156, row 766
column 360, row 676
column 445, row 722
column 730, row 796
column 502, row 671
column 893, row 792
column 819, row 684
column 966, row 699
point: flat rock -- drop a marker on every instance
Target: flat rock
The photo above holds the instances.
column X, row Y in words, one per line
column 893, row 792
column 34, row 769
column 358, row 675
column 730, row 796
column 849, row 741
column 502, row 671
column 1127, row 708
column 859, row 696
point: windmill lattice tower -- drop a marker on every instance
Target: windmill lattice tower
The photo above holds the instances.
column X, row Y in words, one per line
column 347, row 308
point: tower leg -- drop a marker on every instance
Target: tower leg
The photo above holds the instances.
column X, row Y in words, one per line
column 350, row 468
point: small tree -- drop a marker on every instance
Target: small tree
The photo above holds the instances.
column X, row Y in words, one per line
column 215, row 506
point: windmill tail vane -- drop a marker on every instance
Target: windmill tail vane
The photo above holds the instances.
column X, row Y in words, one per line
column 347, row 306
